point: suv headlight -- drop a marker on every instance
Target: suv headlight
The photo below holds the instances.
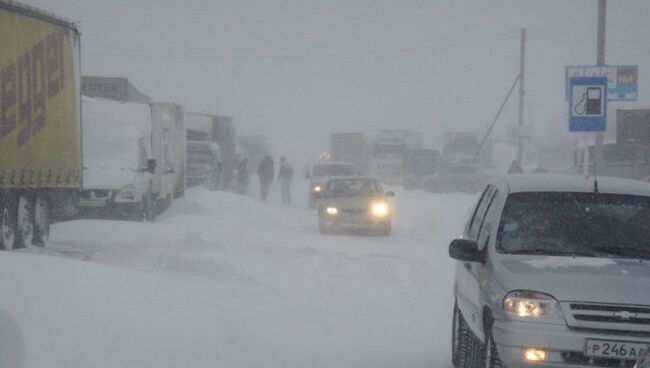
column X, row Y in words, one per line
column 528, row 304
column 332, row 211
column 379, row 209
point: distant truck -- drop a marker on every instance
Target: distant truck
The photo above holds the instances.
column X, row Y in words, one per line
column 621, row 160
column 388, row 151
column 221, row 131
column 129, row 164
column 629, row 156
column 40, row 127
column 633, row 126
column 419, row 164
column 461, row 147
column 351, row 147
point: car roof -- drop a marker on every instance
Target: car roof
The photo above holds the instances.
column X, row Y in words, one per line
column 521, row 183
column 352, row 177
column 333, row 164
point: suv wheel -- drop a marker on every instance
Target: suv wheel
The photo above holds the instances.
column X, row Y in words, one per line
column 491, row 357
column 466, row 348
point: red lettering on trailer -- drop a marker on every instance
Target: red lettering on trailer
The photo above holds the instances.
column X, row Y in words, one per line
column 28, row 83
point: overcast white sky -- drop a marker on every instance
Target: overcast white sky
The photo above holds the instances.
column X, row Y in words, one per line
column 297, row 70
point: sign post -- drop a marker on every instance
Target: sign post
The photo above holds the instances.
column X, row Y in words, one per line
column 587, row 104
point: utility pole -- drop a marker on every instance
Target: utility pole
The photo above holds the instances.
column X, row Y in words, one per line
column 600, row 60
column 522, row 92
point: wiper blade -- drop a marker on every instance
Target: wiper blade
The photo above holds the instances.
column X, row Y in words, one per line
column 552, row 252
column 624, row 251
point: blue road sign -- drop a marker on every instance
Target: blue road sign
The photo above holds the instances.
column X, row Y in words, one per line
column 587, row 104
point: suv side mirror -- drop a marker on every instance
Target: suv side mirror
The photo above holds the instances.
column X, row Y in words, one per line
column 465, row 250
column 151, row 165
column 390, row 194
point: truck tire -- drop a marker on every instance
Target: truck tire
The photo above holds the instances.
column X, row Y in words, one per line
column 42, row 220
column 8, row 226
column 25, row 220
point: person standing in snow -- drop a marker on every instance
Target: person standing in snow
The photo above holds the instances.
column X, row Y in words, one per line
column 242, row 176
column 265, row 172
column 285, row 175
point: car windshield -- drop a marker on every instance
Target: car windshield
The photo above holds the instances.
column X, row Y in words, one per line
column 333, row 170
column 353, row 188
column 591, row 224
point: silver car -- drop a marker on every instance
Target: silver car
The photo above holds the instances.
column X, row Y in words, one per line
column 354, row 203
column 554, row 271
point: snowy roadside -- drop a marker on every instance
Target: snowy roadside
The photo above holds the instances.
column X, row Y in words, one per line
column 242, row 284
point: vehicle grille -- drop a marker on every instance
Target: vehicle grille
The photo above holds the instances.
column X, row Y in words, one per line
column 608, row 317
column 355, row 211
column 95, row 193
column 576, row 358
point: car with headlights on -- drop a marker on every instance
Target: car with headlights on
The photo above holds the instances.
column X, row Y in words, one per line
column 321, row 172
column 553, row 271
column 354, row 203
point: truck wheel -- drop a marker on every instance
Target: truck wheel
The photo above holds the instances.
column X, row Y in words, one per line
column 8, row 228
column 42, row 221
column 25, row 220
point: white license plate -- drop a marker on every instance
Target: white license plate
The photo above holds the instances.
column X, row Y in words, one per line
column 615, row 349
column 83, row 202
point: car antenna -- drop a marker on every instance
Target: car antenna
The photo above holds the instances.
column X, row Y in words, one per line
column 595, row 174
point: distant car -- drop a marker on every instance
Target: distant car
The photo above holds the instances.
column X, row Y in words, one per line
column 354, row 203
column 553, row 271
column 457, row 177
column 644, row 362
column 322, row 172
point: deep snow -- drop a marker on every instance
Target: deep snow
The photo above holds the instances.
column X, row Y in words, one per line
column 224, row 281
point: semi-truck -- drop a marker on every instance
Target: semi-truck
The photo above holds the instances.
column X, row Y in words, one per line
column 351, row 147
column 221, row 131
column 388, row 151
column 40, row 126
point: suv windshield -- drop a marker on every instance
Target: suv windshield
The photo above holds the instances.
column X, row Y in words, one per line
column 353, row 188
column 589, row 224
column 333, row 170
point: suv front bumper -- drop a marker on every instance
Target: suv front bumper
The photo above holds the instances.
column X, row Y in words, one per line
column 565, row 346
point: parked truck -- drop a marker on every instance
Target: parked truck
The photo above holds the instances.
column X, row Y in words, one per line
column 629, row 156
column 351, row 147
column 388, row 152
column 40, row 128
column 128, row 168
column 220, row 131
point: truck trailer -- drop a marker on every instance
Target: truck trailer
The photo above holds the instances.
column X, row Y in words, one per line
column 40, row 126
column 220, row 131
column 351, row 147
column 388, row 152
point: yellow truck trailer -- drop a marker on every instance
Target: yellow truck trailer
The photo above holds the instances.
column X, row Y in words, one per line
column 40, row 122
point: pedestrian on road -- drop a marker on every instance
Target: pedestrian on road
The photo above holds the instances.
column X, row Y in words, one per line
column 242, row 176
column 285, row 175
column 265, row 172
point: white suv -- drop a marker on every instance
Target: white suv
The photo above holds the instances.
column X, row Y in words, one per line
column 554, row 271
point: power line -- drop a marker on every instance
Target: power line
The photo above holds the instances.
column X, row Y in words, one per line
column 333, row 53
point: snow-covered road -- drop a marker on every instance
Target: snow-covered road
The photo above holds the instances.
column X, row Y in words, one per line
column 224, row 281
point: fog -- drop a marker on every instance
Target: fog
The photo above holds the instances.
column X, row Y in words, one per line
column 286, row 67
